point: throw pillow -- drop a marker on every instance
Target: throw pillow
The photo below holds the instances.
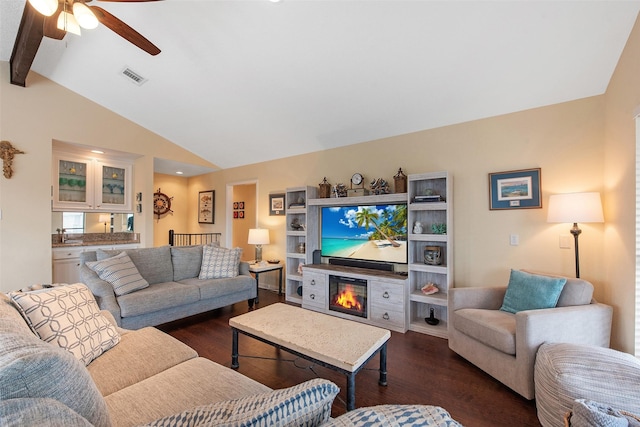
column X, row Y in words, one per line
column 187, row 261
column 219, row 262
column 531, row 291
column 69, row 317
column 305, row 404
column 120, row 272
column 395, row 415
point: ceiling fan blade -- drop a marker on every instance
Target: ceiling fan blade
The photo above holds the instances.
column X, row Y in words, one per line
column 130, row 1
column 123, row 30
column 50, row 28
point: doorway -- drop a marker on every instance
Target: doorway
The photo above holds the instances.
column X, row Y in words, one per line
column 242, row 211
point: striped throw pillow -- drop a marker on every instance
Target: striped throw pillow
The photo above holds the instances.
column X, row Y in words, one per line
column 120, row 272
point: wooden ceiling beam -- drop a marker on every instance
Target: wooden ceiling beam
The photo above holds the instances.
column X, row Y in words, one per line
column 30, row 34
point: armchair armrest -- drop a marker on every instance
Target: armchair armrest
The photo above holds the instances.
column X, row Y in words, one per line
column 588, row 324
column 102, row 291
column 244, row 269
column 489, row 298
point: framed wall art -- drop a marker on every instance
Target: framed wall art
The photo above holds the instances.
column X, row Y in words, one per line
column 276, row 204
column 206, row 206
column 519, row 189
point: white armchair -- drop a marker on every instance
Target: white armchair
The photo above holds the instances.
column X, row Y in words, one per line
column 504, row 345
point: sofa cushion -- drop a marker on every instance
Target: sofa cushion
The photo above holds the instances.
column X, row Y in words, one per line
column 172, row 390
column 123, row 365
column 39, row 412
column 154, row 264
column 219, row 262
column 31, row 368
column 306, row 404
column 159, row 296
column 214, row 288
column 69, row 317
column 120, row 272
column 531, row 291
column 395, row 415
column 495, row 328
column 186, row 262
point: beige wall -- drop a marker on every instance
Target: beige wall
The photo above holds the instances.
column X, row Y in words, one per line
column 176, row 187
column 31, row 118
column 622, row 103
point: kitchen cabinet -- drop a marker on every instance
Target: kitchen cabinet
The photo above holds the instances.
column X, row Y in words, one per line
column 85, row 184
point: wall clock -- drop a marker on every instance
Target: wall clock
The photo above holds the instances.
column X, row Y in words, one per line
column 161, row 203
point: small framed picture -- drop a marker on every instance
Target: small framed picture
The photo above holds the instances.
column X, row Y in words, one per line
column 519, row 189
column 276, row 204
column 206, row 207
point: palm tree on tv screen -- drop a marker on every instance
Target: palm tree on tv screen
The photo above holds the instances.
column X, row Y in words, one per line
column 365, row 217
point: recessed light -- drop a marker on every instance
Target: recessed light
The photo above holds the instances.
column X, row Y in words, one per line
column 97, row 151
column 179, row 172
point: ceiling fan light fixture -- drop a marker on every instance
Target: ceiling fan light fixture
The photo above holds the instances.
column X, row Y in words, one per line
column 84, row 16
column 45, row 7
column 68, row 23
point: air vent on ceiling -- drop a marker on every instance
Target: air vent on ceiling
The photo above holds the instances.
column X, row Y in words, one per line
column 133, row 76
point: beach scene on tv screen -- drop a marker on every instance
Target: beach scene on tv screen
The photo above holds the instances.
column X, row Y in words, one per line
column 376, row 233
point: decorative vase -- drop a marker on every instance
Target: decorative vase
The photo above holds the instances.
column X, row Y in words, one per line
column 433, row 255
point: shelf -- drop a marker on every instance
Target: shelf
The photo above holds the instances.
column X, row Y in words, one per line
column 428, row 206
column 296, row 233
column 294, row 277
column 361, row 200
column 440, row 269
column 439, row 330
column 293, row 211
column 436, row 299
column 428, row 237
column 295, row 255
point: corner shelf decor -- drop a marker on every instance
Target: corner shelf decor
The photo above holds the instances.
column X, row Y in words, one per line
column 301, row 239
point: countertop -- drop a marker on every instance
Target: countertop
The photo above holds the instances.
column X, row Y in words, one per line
column 95, row 239
column 94, row 243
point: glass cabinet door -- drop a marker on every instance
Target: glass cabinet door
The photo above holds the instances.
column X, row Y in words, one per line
column 72, row 183
column 114, row 182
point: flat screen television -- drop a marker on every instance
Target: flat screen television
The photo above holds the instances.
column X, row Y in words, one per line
column 365, row 232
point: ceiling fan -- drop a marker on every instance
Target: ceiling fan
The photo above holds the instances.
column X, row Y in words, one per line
column 62, row 16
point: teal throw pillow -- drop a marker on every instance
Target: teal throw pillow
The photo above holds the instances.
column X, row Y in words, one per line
column 530, row 292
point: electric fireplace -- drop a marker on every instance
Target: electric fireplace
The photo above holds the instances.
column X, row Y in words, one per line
column 348, row 295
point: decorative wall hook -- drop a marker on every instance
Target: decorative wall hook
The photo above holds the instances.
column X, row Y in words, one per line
column 7, row 152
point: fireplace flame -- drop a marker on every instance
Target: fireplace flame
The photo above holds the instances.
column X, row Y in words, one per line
column 347, row 299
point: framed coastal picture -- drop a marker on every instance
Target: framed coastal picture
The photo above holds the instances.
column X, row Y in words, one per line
column 276, row 204
column 206, row 206
column 519, row 189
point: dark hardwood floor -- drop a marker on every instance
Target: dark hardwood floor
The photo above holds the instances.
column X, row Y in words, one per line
column 421, row 370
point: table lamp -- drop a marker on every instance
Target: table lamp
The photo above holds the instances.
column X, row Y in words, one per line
column 575, row 208
column 105, row 218
column 258, row 237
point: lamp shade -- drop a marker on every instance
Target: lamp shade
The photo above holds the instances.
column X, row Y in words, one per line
column 104, row 218
column 68, row 23
column 258, row 236
column 575, row 207
column 84, row 16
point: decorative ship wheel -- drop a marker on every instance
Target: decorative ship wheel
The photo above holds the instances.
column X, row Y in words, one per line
column 161, row 203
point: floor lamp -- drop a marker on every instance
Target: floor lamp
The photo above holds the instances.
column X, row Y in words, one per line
column 105, row 219
column 258, row 237
column 575, row 208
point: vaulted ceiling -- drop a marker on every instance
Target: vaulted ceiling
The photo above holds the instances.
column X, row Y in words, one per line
column 243, row 81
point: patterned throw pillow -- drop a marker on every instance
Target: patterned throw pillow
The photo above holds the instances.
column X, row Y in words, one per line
column 305, row 404
column 120, row 272
column 219, row 262
column 395, row 415
column 69, row 317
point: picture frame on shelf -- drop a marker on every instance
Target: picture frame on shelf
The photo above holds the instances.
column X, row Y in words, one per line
column 206, row 207
column 518, row 189
column 276, row 204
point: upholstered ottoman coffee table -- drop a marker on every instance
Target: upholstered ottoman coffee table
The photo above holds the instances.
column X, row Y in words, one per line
column 339, row 344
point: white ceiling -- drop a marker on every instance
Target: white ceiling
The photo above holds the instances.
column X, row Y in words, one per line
column 244, row 81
